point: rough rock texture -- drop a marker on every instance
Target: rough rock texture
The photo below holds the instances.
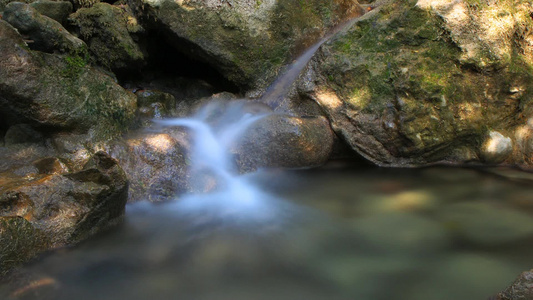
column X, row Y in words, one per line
column 109, row 31
column 59, row 92
column 521, row 289
column 420, row 82
column 43, row 33
column 247, row 41
column 156, row 164
column 284, row 141
column 46, row 209
column 57, row 10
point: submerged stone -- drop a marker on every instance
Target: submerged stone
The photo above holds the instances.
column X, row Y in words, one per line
column 487, row 224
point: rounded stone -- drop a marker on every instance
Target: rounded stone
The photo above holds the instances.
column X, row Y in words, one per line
column 496, row 148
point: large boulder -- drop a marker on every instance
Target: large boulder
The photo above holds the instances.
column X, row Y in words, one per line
column 247, row 41
column 48, row 208
column 420, row 82
column 59, row 92
column 109, row 31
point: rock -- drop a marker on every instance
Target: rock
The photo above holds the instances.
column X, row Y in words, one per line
column 59, row 92
column 156, row 164
column 155, row 104
column 496, row 148
column 19, row 241
column 246, row 41
column 57, row 10
column 49, row 211
column 279, row 140
column 22, row 133
column 524, row 145
column 521, row 289
column 44, row 33
column 407, row 85
column 487, row 224
column 110, row 33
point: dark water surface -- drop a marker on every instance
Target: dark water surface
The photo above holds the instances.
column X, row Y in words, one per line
column 332, row 233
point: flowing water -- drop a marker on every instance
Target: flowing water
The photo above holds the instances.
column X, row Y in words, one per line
column 332, row 233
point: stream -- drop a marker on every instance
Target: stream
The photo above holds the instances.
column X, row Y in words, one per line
column 339, row 232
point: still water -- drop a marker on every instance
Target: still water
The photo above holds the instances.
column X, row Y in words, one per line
column 340, row 232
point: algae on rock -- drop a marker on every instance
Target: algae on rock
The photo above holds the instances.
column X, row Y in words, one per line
column 399, row 89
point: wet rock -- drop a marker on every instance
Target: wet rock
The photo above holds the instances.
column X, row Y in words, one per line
column 57, row 10
column 487, row 224
column 155, row 104
column 19, row 241
column 155, row 163
column 284, row 141
column 407, row 85
column 110, row 33
column 247, row 41
column 48, row 211
column 521, row 289
column 43, row 33
column 59, row 92
column 22, row 133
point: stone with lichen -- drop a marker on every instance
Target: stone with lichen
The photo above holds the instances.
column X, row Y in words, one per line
column 408, row 85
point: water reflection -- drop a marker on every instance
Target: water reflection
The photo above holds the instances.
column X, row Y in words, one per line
column 339, row 234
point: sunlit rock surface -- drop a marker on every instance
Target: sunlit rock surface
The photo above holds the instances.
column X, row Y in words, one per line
column 419, row 82
column 247, row 41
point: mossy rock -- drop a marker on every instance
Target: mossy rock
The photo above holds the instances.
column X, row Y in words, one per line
column 109, row 32
column 61, row 92
column 398, row 88
column 247, row 41
column 19, row 242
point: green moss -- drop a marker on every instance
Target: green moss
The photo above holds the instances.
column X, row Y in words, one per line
column 19, row 242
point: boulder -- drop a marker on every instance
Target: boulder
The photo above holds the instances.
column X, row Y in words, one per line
column 155, row 163
column 48, row 209
column 43, row 33
column 110, row 33
column 413, row 83
column 246, row 41
column 57, row 10
column 279, row 140
column 59, row 92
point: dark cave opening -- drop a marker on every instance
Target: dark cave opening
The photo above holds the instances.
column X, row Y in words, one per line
column 166, row 62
